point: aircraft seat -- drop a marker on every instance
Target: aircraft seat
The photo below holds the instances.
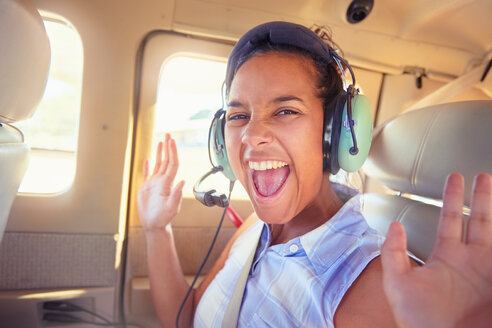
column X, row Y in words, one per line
column 414, row 153
column 24, row 66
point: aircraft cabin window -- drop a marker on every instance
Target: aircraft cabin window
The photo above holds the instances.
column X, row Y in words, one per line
column 52, row 131
column 188, row 95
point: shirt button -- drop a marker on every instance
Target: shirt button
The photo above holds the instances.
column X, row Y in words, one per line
column 293, row 248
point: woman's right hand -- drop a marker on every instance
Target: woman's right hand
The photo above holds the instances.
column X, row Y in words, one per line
column 158, row 202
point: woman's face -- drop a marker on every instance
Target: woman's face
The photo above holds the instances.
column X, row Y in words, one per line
column 274, row 134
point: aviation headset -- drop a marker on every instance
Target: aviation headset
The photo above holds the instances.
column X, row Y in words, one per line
column 348, row 120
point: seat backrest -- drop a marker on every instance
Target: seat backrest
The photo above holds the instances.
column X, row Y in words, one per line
column 414, row 153
column 24, row 66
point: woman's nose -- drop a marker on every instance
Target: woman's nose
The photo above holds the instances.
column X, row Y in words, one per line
column 256, row 134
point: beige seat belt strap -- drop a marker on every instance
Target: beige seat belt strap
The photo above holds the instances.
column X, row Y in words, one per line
column 452, row 89
column 231, row 314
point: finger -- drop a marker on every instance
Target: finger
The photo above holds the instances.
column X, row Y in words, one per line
column 173, row 163
column 158, row 158
column 451, row 222
column 165, row 160
column 480, row 222
column 394, row 255
column 146, row 169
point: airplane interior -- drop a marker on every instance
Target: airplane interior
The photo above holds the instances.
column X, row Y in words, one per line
column 88, row 88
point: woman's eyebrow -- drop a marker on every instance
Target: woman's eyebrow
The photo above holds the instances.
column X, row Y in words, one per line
column 286, row 98
column 235, row 103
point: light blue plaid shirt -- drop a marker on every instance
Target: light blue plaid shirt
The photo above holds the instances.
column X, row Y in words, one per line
column 296, row 284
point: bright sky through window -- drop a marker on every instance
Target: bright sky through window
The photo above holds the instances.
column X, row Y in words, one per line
column 52, row 131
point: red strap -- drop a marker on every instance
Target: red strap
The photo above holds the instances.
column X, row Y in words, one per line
column 234, row 217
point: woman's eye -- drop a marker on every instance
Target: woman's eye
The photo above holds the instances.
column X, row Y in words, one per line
column 234, row 117
column 287, row 112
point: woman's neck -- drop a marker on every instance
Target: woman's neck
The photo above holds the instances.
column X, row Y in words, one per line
column 320, row 210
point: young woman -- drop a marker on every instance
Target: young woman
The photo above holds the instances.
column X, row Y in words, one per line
column 317, row 262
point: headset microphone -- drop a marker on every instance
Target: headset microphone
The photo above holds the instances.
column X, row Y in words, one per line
column 210, row 197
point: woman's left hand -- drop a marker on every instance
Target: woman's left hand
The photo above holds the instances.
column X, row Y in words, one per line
column 454, row 287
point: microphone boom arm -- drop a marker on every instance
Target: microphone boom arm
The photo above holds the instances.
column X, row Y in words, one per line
column 210, row 197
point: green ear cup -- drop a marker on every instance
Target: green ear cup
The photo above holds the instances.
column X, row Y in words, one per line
column 217, row 145
column 363, row 124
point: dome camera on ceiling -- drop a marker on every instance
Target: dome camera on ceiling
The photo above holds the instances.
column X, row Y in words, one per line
column 358, row 10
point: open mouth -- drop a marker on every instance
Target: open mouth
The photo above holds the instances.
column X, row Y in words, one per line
column 269, row 176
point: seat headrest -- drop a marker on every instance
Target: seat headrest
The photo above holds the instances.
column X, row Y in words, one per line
column 24, row 59
column 414, row 152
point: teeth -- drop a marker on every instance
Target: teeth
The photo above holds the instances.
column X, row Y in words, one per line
column 266, row 165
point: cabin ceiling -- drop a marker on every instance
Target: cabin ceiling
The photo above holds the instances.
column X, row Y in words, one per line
column 461, row 24
column 396, row 33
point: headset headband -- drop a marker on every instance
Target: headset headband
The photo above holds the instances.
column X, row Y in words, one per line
column 278, row 33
